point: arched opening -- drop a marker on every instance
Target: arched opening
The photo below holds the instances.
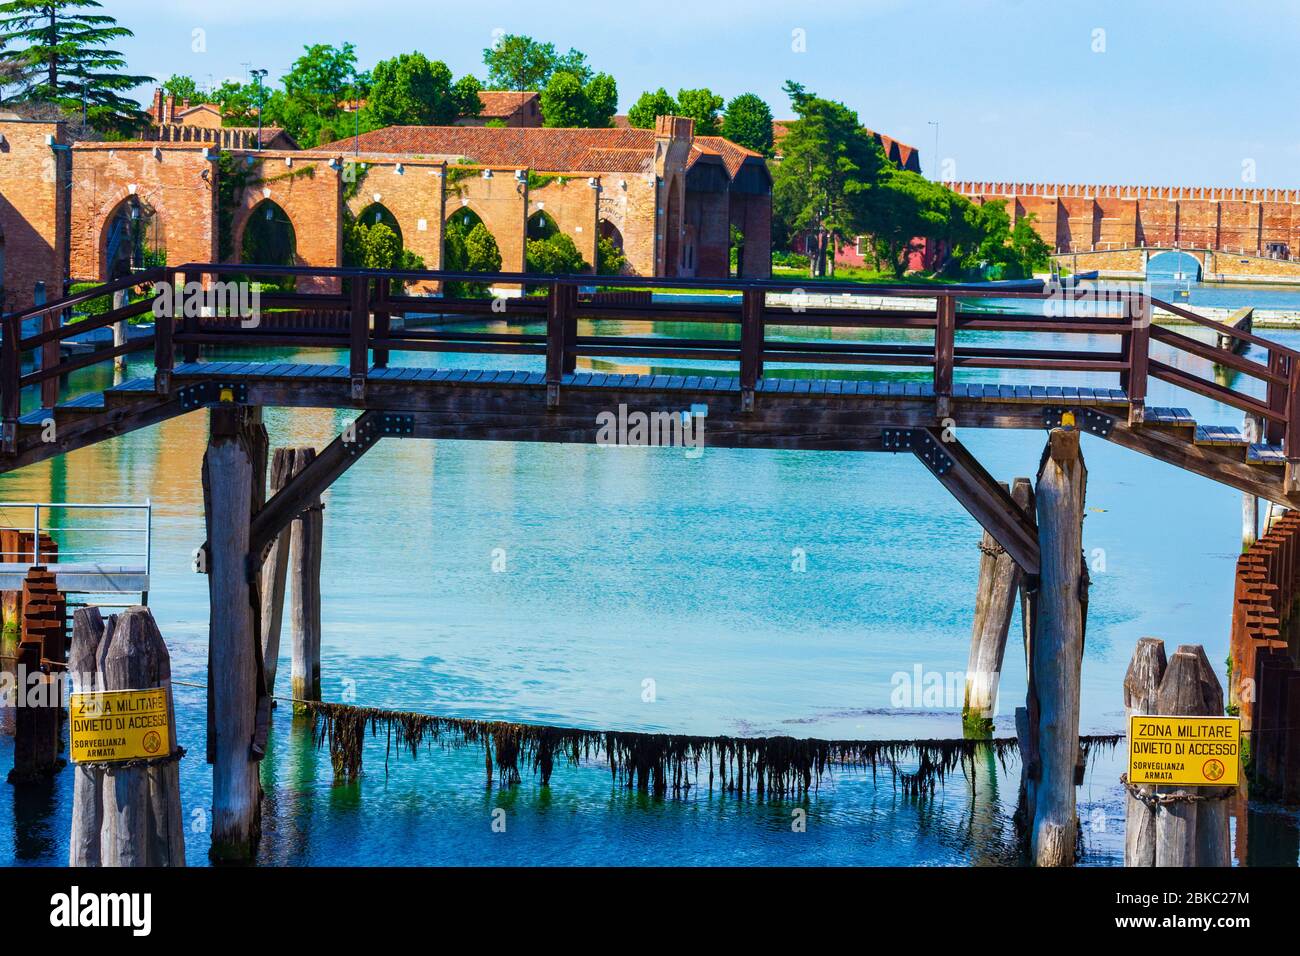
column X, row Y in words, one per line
column 269, row 240
column 377, row 213
column 541, row 226
column 132, row 239
column 1174, row 265
column 673, row 229
column 468, row 246
column 610, row 258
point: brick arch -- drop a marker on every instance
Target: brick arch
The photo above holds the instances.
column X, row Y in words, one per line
column 309, row 193
column 95, row 226
column 573, row 204
column 459, row 210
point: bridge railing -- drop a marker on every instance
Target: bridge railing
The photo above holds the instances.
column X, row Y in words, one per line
column 753, row 326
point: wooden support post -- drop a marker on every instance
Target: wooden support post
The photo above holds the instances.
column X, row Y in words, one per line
column 995, row 602
column 11, row 393
column 305, row 561
column 37, row 717
column 274, row 575
column 88, row 779
column 1291, row 431
column 140, row 804
column 383, row 319
column 1191, row 832
column 1141, row 684
column 49, row 352
column 189, row 317
column 1139, row 347
column 164, row 351
column 233, row 645
column 557, row 341
column 121, row 299
column 945, row 337
column 751, row 345
column 1057, row 648
column 359, row 324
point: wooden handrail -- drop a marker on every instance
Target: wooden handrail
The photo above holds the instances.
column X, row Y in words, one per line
column 370, row 297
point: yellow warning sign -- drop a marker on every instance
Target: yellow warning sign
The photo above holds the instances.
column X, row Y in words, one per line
column 119, row 725
column 1184, row 751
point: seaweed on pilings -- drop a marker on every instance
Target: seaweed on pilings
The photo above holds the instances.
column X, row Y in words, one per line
column 660, row 763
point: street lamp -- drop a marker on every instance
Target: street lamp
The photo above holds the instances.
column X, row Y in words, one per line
column 257, row 79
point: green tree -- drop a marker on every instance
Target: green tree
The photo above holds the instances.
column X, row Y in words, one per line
column 481, row 252
column 184, row 88
column 609, row 257
column 521, row 63
column 61, row 55
column 748, row 122
column 319, row 80
column 906, row 207
column 465, row 95
column 412, row 90
column 238, row 102
column 823, row 183
column 702, row 106
column 648, row 106
column 569, row 102
column 564, row 101
column 555, row 255
column 602, row 100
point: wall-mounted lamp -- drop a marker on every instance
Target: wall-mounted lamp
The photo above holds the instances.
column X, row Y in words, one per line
column 487, row 174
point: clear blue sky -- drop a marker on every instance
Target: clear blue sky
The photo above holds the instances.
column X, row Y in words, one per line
column 1187, row 93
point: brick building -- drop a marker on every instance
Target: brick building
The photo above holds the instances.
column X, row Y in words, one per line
column 505, row 107
column 202, row 123
column 97, row 210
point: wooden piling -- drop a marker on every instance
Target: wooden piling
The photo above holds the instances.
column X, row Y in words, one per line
column 1175, row 826
column 1141, row 684
column 995, row 602
column 87, row 779
column 305, row 562
column 142, row 823
column 275, row 574
column 1057, row 649
column 233, row 646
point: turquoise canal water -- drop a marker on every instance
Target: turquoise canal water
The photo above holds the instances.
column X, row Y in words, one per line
column 761, row 593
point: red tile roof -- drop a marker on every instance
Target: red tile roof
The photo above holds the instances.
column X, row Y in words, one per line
column 733, row 155
column 502, row 104
column 543, row 149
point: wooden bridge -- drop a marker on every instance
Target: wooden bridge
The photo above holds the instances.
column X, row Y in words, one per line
column 730, row 371
column 747, row 407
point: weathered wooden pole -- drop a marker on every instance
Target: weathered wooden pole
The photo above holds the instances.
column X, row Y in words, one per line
column 1057, row 650
column 1141, row 684
column 142, row 824
column 1191, row 822
column 233, row 644
column 995, row 602
column 305, row 560
column 275, row 574
column 87, row 779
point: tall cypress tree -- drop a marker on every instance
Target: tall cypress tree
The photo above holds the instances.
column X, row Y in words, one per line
column 63, row 46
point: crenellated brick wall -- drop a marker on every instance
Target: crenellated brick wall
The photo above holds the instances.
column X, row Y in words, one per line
column 1086, row 218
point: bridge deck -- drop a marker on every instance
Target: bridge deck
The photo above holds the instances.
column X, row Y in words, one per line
column 748, row 403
